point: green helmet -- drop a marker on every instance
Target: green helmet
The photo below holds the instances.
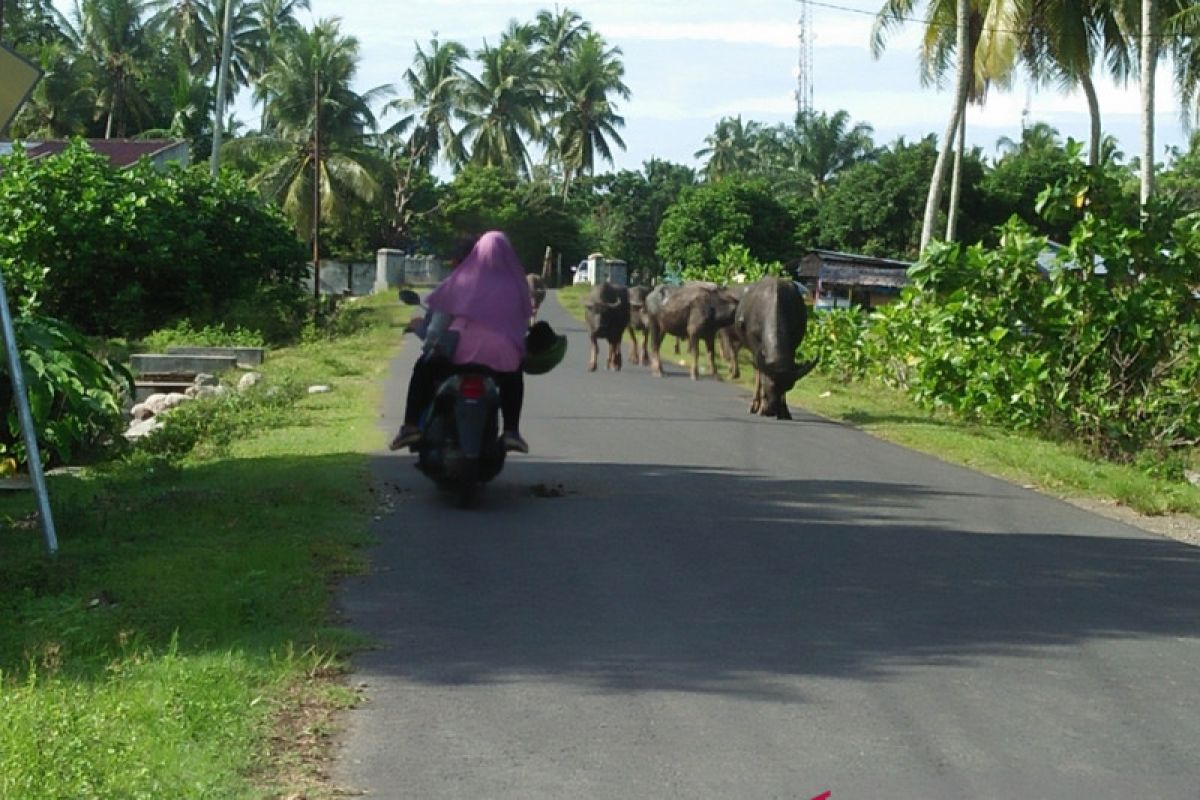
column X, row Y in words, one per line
column 544, row 349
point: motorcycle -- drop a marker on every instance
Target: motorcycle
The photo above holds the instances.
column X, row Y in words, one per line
column 460, row 446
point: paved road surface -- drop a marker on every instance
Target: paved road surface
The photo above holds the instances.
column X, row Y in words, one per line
column 722, row 606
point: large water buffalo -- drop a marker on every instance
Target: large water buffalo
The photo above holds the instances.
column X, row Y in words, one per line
column 695, row 311
column 638, row 323
column 537, row 291
column 606, row 312
column 771, row 320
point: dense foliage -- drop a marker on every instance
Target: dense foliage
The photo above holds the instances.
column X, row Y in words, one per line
column 1099, row 344
column 708, row 219
column 74, row 397
column 125, row 252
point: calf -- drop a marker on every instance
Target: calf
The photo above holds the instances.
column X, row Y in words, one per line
column 695, row 311
column 638, row 324
column 771, row 321
column 606, row 312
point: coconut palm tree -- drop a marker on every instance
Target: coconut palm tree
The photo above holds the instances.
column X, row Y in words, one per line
column 587, row 120
column 435, row 84
column 287, row 155
column 112, row 39
column 276, row 21
column 186, row 23
column 826, row 145
column 502, row 108
column 731, row 148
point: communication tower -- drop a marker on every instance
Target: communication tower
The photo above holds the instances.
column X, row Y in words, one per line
column 804, row 63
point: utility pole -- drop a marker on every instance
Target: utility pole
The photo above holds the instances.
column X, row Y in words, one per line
column 222, row 77
column 316, row 212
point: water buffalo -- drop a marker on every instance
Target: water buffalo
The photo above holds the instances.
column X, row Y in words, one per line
column 695, row 311
column 731, row 343
column 638, row 323
column 771, row 320
column 537, row 290
column 606, row 311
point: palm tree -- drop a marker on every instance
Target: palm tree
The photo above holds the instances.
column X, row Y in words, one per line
column 1038, row 136
column 187, row 24
column 826, row 145
column 503, row 106
column 588, row 119
column 977, row 36
column 111, row 37
column 730, row 148
column 558, row 33
column 288, row 154
column 276, row 21
column 435, row 84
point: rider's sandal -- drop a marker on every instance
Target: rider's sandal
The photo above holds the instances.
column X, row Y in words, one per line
column 407, row 437
column 513, row 441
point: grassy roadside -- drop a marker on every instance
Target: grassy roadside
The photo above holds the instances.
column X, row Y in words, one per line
column 1056, row 468
column 180, row 644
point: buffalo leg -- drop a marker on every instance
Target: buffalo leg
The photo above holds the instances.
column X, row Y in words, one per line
column 634, row 357
column 656, row 337
column 592, row 358
column 756, row 401
column 694, row 352
column 712, row 355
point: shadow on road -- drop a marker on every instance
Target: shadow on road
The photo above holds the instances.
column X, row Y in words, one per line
column 656, row 577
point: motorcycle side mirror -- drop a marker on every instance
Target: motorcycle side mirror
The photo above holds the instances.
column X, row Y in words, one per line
column 409, row 297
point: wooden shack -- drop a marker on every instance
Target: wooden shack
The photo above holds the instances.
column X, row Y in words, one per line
column 842, row 280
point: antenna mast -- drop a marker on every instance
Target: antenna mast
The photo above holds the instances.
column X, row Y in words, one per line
column 804, row 63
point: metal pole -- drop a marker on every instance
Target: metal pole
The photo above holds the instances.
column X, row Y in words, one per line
column 222, row 77
column 27, row 431
column 316, row 229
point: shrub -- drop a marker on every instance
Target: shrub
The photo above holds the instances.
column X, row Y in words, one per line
column 734, row 265
column 126, row 252
column 74, row 397
column 183, row 333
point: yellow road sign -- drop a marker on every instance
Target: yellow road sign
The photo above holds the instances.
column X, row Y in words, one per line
column 17, row 79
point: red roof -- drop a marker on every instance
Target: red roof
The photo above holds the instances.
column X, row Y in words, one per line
column 120, row 152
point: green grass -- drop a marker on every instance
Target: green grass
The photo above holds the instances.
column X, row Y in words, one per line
column 187, row 612
column 1057, row 468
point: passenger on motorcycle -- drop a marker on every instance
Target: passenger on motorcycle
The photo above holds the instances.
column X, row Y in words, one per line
column 478, row 315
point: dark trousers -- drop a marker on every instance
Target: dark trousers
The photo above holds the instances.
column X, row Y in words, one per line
column 427, row 374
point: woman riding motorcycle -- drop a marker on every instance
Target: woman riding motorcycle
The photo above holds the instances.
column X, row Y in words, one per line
column 479, row 315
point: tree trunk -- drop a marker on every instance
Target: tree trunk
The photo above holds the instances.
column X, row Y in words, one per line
column 1149, row 53
column 956, row 176
column 961, row 83
column 1089, row 91
column 222, row 76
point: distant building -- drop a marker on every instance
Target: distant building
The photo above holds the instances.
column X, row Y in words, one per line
column 121, row 153
column 842, row 280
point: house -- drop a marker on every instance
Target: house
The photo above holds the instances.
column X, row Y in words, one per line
column 841, row 280
column 121, row 153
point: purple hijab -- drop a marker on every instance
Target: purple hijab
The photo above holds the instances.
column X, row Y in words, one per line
column 488, row 287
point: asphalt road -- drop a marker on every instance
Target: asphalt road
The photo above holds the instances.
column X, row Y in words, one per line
column 723, row 606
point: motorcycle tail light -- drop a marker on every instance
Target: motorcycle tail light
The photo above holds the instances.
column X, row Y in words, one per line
column 471, row 387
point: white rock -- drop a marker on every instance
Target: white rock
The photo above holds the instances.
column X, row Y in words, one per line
column 204, row 379
column 249, row 379
column 141, row 428
column 155, row 403
column 202, row 392
column 1193, row 477
column 319, row 389
column 140, row 412
column 174, row 399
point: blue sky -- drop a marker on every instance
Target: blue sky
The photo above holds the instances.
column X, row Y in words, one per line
column 690, row 63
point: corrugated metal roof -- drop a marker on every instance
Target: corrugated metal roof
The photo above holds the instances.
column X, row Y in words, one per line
column 120, row 152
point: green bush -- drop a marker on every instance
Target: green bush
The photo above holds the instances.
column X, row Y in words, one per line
column 74, row 397
column 734, row 265
column 126, row 252
column 183, row 333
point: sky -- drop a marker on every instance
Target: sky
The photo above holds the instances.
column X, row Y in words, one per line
column 688, row 64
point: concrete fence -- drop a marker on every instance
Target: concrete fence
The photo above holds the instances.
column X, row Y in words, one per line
column 392, row 268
